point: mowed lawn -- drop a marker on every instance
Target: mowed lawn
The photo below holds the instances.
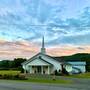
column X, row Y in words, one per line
column 9, row 72
column 50, row 81
column 82, row 75
column 47, row 78
column 37, row 78
column 58, row 79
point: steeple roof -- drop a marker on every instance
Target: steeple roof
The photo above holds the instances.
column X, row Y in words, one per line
column 43, row 46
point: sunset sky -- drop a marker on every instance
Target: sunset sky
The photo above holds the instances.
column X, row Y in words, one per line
column 65, row 24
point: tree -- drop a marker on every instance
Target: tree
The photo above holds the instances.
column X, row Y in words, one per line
column 15, row 64
column 18, row 61
column 4, row 64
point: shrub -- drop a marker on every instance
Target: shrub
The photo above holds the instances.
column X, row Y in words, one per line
column 22, row 77
column 19, row 77
column 0, row 76
column 22, row 70
column 64, row 71
column 5, row 76
column 16, row 76
column 13, row 77
column 55, row 72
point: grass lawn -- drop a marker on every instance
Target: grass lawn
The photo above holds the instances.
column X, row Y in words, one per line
column 49, row 81
column 9, row 72
column 47, row 78
column 36, row 78
column 82, row 75
column 59, row 79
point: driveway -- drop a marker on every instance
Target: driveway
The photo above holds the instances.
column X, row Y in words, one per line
column 16, row 85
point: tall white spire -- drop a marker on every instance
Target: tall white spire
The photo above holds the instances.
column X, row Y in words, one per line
column 43, row 46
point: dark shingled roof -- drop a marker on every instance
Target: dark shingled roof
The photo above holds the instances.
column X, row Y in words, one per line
column 60, row 59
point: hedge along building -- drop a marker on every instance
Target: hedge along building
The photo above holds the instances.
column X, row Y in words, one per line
column 42, row 63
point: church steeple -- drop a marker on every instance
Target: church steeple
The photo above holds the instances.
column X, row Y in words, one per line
column 43, row 46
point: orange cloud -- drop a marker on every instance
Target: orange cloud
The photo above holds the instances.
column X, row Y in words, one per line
column 25, row 49
column 67, row 50
column 10, row 50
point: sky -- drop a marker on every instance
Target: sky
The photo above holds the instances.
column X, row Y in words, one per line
column 65, row 24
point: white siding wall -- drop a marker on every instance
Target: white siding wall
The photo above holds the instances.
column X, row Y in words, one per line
column 38, row 62
column 79, row 65
column 56, row 64
column 68, row 68
column 82, row 68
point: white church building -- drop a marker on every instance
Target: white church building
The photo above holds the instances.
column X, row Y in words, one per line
column 42, row 63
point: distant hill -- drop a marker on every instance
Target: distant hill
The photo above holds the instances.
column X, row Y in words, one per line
column 77, row 57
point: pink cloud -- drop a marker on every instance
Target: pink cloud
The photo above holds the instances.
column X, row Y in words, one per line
column 10, row 50
column 25, row 49
column 67, row 50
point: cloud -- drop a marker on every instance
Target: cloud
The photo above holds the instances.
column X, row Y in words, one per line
column 17, row 49
column 61, row 22
column 63, row 50
column 58, row 29
column 25, row 49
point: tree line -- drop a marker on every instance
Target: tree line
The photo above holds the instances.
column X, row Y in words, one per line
column 14, row 64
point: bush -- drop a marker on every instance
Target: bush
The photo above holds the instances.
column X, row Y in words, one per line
column 22, row 70
column 22, row 77
column 16, row 76
column 5, row 76
column 64, row 72
column 13, row 77
column 0, row 76
column 56, row 72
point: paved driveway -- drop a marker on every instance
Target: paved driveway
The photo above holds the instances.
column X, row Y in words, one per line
column 14, row 85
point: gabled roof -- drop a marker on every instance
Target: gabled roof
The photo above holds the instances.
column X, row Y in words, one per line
column 34, row 57
column 58, row 59
column 31, row 59
column 66, row 63
column 40, row 58
column 45, row 60
column 62, row 59
column 78, row 63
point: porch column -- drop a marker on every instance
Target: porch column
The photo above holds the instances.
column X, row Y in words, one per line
column 30, row 69
column 25, row 70
column 48, row 70
column 42, row 69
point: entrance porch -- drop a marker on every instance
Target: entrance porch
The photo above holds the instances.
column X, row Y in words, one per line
column 39, row 69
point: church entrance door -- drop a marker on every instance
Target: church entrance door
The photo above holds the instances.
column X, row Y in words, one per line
column 39, row 69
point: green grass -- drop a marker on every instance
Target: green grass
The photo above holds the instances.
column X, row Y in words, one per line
column 49, row 81
column 82, row 75
column 9, row 72
column 47, row 78
column 36, row 78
